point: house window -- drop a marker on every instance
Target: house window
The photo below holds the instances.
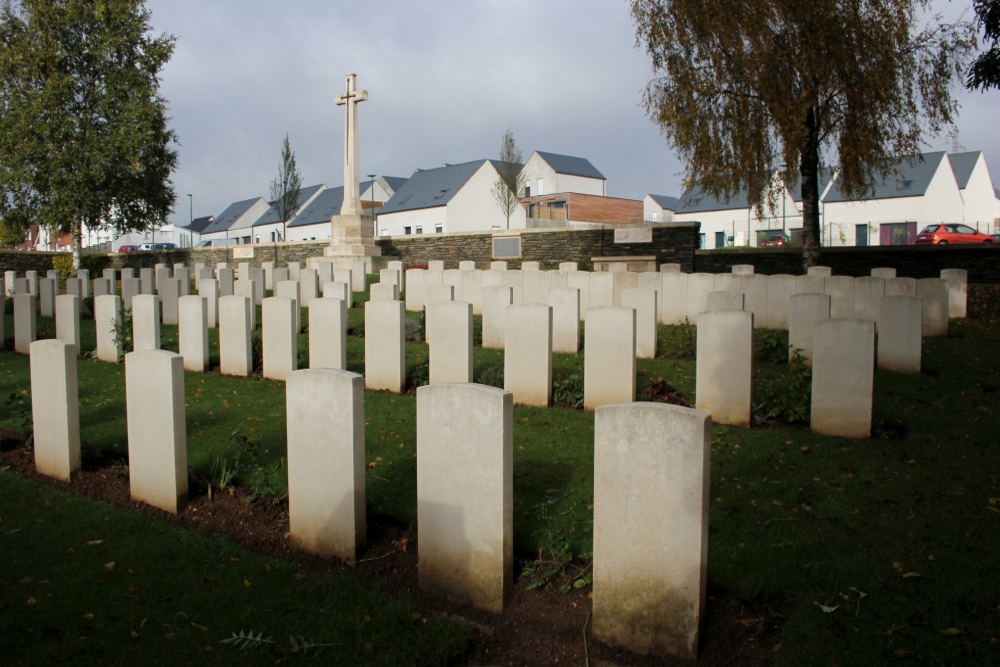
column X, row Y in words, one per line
column 905, row 185
column 406, row 230
column 383, row 232
column 256, row 239
column 441, row 193
column 655, row 216
column 531, row 210
column 527, row 189
column 720, row 239
column 438, row 229
column 557, row 204
column 701, row 241
column 420, row 230
column 541, row 186
column 274, row 236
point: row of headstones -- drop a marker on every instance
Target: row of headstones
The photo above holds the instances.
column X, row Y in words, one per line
column 650, row 530
column 680, row 296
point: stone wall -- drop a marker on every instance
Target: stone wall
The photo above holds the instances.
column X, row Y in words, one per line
column 672, row 242
column 911, row 261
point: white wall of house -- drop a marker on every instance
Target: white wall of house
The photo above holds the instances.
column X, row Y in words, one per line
column 941, row 202
column 536, row 169
column 653, row 212
column 319, row 231
column 980, row 205
column 427, row 219
column 473, row 208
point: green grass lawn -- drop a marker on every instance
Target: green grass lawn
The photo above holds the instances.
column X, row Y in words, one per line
column 867, row 551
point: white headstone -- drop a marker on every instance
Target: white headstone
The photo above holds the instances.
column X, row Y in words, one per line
column 385, row 366
column 609, row 356
column 724, row 373
column 900, row 339
column 157, row 434
column 843, row 374
column 280, row 344
column 465, row 493
column 55, row 408
column 328, row 333
column 192, row 332
column 326, row 461
column 145, row 322
column 527, row 369
column 449, row 332
column 651, row 491
column 235, row 356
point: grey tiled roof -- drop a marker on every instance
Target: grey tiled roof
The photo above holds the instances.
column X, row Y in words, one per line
column 963, row 164
column 198, row 225
column 667, row 202
column 430, row 188
column 324, row 206
column 572, row 166
column 271, row 216
column 696, row 200
column 395, row 182
column 913, row 175
column 229, row 216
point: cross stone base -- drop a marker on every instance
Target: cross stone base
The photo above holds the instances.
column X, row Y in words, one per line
column 352, row 238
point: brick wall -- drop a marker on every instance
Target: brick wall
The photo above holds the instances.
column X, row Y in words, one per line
column 981, row 261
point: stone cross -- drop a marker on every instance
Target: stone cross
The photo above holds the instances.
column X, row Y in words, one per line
column 352, row 198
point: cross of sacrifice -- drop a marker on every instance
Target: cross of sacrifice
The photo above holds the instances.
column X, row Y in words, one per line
column 352, row 198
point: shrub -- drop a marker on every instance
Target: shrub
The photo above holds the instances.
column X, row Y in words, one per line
column 680, row 341
column 419, row 374
column 122, row 331
column 786, row 398
column 770, row 346
column 492, row 376
column 64, row 265
column 568, row 391
column 412, row 331
column 660, row 391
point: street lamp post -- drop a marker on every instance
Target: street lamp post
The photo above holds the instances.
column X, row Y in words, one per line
column 371, row 177
column 191, row 215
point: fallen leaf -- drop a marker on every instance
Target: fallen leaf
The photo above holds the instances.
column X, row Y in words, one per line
column 109, row 565
column 825, row 609
column 910, row 575
column 950, row 632
column 246, row 584
column 96, row 542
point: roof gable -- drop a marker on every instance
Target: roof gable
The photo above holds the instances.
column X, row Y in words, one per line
column 571, row 166
column 963, row 164
column 430, row 188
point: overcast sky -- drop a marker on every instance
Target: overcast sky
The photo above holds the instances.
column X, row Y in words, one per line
column 444, row 78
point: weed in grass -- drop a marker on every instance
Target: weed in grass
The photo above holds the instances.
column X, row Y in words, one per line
column 419, row 374
column 556, row 560
column 477, row 331
column 412, row 331
column 567, row 391
column 492, row 376
column 679, row 341
column 356, row 328
column 20, row 408
column 87, row 312
column 242, row 462
column 770, row 346
column 787, row 397
column 257, row 354
column 660, row 391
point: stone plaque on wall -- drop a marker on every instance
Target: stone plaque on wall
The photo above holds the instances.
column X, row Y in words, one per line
column 634, row 235
column 506, row 246
column 243, row 252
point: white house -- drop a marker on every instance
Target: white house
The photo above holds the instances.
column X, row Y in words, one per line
column 923, row 190
column 238, row 216
column 659, row 208
column 981, row 207
column 269, row 228
column 453, row 198
column 732, row 221
column 550, row 173
column 313, row 221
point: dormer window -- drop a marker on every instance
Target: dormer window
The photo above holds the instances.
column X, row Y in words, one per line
column 905, row 185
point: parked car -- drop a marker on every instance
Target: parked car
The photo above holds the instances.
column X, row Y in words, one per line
column 943, row 234
column 164, row 246
column 128, row 248
column 779, row 242
column 215, row 242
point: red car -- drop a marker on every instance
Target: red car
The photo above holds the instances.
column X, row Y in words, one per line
column 946, row 233
column 128, row 248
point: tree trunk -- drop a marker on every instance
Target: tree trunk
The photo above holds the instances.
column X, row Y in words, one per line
column 809, row 173
column 77, row 228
